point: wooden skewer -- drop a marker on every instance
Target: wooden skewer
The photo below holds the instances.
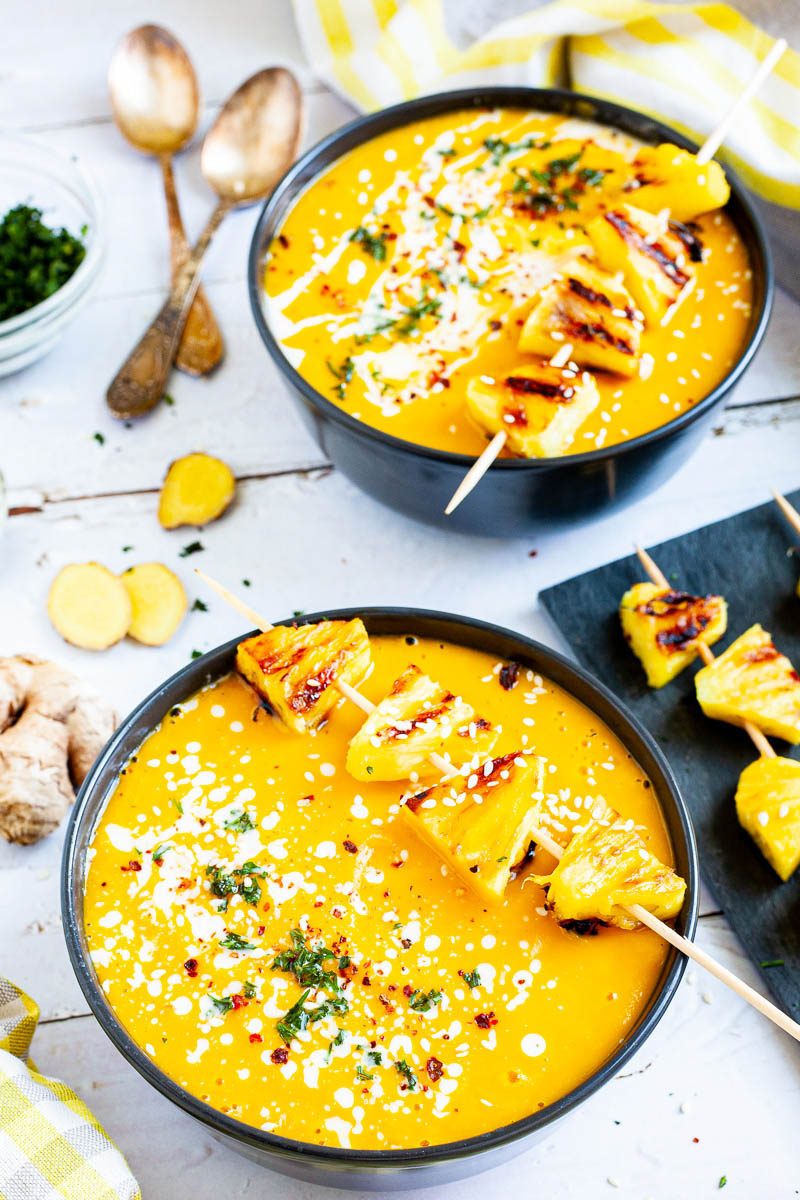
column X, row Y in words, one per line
column 788, row 510
column 543, row 839
column 659, row 578
column 481, row 465
column 714, row 140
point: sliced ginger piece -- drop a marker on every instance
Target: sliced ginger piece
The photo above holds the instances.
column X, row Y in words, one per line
column 158, row 602
column 89, row 606
column 197, row 489
column 52, row 727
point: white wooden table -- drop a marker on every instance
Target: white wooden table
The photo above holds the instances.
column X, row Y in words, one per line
column 715, row 1092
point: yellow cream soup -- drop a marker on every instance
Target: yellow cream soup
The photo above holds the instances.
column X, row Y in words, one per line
column 332, row 860
column 392, row 326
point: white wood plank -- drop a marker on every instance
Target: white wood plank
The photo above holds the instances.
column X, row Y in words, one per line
column 713, row 1092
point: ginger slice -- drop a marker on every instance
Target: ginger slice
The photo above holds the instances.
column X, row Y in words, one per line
column 89, row 606
column 60, row 725
column 158, row 602
column 197, row 489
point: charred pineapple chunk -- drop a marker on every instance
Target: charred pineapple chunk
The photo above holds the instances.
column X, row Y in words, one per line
column 539, row 407
column 480, row 823
column 768, row 807
column 665, row 629
column 752, row 681
column 412, row 722
column 590, row 310
column 654, row 260
column 293, row 668
column 606, row 868
column 667, row 177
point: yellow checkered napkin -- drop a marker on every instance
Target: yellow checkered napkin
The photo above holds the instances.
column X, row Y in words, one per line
column 685, row 63
column 51, row 1147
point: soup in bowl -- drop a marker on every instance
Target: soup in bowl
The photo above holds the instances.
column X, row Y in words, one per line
column 349, row 960
column 562, row 272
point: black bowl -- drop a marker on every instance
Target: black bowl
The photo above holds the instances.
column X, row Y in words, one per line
column 387, row 1170
column 517, row 496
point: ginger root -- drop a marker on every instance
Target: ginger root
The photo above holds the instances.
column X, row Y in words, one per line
column 197, row 489
column 89, row 606
column 52, row 727
column 158, row 602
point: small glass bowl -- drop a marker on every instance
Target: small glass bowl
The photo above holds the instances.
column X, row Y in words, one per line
column 31, row 173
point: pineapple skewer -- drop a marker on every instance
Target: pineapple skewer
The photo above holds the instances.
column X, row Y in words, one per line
column 705, row 652
column 543, row 839
column 482, row 463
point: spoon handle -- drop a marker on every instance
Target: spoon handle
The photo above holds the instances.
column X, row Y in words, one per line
column 201, row 346
column 140, row 382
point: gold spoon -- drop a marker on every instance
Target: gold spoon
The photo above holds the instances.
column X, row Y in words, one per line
column 246, row 151
column 156, row 103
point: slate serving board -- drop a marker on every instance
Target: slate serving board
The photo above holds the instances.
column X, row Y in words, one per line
column 743, row 558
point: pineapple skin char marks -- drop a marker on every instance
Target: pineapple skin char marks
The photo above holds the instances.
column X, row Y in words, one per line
column 752, row 681
column 294, row 668
column 768, row 808
column 538, row 406
column 667, row 177
column 480, row 823
column 665, row 628
column 589, row 309
column 654, row 258
column 605, row 868
column 412, row 722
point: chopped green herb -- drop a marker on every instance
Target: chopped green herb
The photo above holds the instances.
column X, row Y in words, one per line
column 249, row 990
column 35, row 260
column 192, row 548
column 499, row 148
column 337, row 1041
column 242, row 881
column 362, row 1074
column 592, row 176
column 472, row 978
column 199, row 605
column 240, row 823
column 222, row 1004
column 295, row 1020
column 375, row 1058
column 99, row 438
column 299, row 612
column 450, row 152
column 373, row 243
column 196, row 654
column 414, row 314
column 168, row 399
column 402, row 1068
column 560, row 166
column 424, row 1001
column 160, row 851
column 126, row 549
column 344, row 374
column 772, row 962
column 245, row 583
column 232, row 941
column 344, row 962
column 307, row 963
column 723, row 1179
column 478, row 215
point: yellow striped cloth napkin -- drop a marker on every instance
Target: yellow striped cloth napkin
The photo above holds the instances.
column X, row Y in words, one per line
column 51, row 1147
column 682, row 62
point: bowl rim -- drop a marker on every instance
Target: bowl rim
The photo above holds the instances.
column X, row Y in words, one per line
column 98, row 786
column 512, row 95
column 68, row 169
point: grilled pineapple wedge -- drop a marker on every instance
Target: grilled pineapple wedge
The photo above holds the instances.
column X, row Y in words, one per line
column 480, row 823
column 667, row 177
column 768, row 807
column 294, row 668
column 654, row 259
column 604, row 869
column 752, row 681
column 539, row 407
column 591, row 310
column 413, row 721
column 665, row 628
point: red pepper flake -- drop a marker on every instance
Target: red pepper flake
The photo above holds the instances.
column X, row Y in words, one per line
column 367, row 982
column 284, row 241
column 256, row 1037
column 485, row 1020
column 281, row 1055
column 408, row 991
column 190, row 966
column 509, row 675
column 350, row 847
column 435, row 1069
column 133, row 865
